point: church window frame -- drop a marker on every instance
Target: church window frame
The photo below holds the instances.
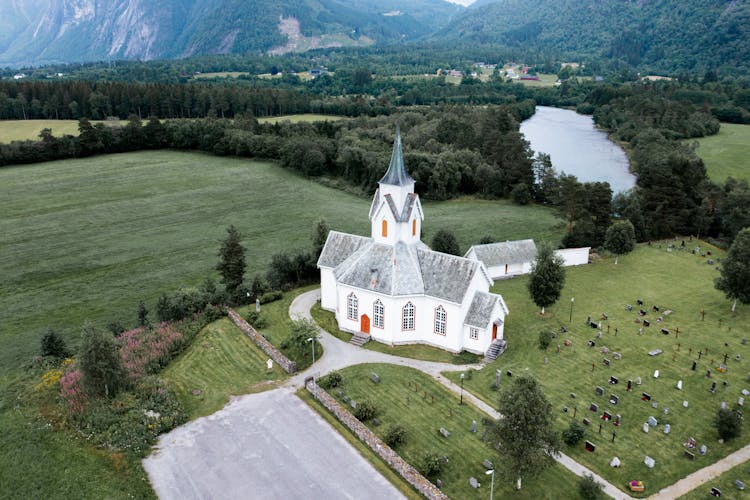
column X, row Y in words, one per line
column 441, row 320
column 407, row 317
column 414, row 227
column 473, row 333
column 352, row 307
column 378, row 314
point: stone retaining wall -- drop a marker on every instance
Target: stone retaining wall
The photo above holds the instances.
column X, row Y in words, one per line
column 286, row 364
column 409, row 473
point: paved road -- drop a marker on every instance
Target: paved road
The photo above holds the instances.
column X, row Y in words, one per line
column 262, row 446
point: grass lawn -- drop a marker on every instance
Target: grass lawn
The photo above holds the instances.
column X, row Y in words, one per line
column 678, row 280
column 220, row 74
column 221, row 362
column 545, row 80
column 726, row 153
column 423, row 417
column 87, row 239
column 327, row 321
column 305, row 118
column 725, row 483
column 24, row 130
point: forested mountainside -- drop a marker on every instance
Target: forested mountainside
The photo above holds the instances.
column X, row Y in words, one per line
column 662, row 35
column 48, row 31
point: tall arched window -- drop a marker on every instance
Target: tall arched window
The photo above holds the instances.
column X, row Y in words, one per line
column 384, row 228
column 440, row 318
column 377, row 314
column 407, row 317
column 352, row 307
column 414, row 227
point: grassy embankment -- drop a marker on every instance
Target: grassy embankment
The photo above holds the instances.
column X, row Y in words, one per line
column 87, row 239
column 726, row 153
column 677, row 280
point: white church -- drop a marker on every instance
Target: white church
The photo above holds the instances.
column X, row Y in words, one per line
column 394, row 289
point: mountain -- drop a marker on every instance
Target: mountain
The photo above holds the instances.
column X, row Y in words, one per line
column 656, row 34
column 46, row 31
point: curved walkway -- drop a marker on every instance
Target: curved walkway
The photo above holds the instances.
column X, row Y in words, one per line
column 340, row 354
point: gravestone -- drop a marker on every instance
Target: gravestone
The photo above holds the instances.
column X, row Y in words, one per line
column 628, row 307
column 615, row 462
column 572, row 395
column 257, row 305
column 689, row 455
column 713, row 387
column 599, row 391
column 565, row 409
column 444, row 432
column 745, row 392
column 590, row 446
column 606, row 416
column 665, row 331
column 646, row 322
column 685, row 404
column 498, row 375
column 473, row 426
column 650, row 462
column 656, row 373
column 269, row 364
column 374, row 377
column 439, row 484
column 375, row 422
column 604, row 350
column 591, row 343
column 739, row 484
column 679, row 385
column 594, row 407
column 613, row 399
column 339, row 392
column 654, row 405
column 638, row 381
column 655, row 352
column 473, row 482
column 667, row 429
column 652, row 421
column 741, row 401
column 695, row 364
column 618, row 420
column 723, row 405
column 586, row 421
column 605, row 361
column 645, row 427
column 703, row 449
column 509, row 373
column 487, row 464
column 613, row 380
column 646, row 397
column 345, row 399
column 666, row 411
column 617, row 355
column 353, row 404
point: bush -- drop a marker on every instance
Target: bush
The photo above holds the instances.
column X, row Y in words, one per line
column 728, row 423
column 589, row 489
column 395, row 436
column 445, row 241
column 271, row 296
column 545, row 339
column 431, row 464
column 53, row 345
column 573, row 434
column 366, row 410
column 116, row 327
column 521, row 194
column 255, row 319
column 333, row 379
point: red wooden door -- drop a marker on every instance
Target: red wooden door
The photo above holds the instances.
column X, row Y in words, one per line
column 494, row 331
column 365, row 324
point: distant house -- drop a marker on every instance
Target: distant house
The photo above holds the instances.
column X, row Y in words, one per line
column 19, row 76
column 533, row 78
column 514, row 258
column 315, row 72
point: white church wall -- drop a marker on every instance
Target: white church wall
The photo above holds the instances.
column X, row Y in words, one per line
column 327, row 289
column 574, row 256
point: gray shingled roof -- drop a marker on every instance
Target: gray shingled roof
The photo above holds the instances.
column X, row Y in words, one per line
column 396, row 174
column 446, row 276
column 509, row 252
column 480, row 311
column 338, row 247
column 405, row 213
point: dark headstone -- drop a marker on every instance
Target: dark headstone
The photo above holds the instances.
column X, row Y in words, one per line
column 646, row 397
column 374, row 377
column 594, row 407
column 586, row 421
column 565, row 409
column 590, row 446
column 487, row 464
column 715, row 492
column 375, row 422
column 646, row 323
column 599, row 391
column 689, row 455
column 613, row 399
column 509, row 373
column 439, row 484
column 573, row 394
column 695, row 364
column 613, row 380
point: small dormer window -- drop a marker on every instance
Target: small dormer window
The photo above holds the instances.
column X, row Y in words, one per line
column 384, row 228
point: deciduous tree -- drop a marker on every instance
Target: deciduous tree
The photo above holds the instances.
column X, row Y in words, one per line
column 620, row 238
column 100, row 363
column 735, row 270
column 547, row 277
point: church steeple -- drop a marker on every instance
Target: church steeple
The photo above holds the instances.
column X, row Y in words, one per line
column 396, row 214
column 396, row 174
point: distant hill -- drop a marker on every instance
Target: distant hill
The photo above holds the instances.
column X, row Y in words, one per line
column 666, row 35
column 47, row 31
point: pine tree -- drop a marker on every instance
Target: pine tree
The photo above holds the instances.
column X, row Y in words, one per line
column 546, row 278
column 231, row 264
column 100, row 363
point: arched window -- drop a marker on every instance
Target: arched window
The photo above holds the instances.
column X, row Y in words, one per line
column 377, row 314
column 352, row 307
column 384, row 228
column 440, row 320
column 407, row 317
column 414, row 227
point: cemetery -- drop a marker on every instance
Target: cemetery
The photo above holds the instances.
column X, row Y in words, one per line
column 438, row 427
column 647, row 380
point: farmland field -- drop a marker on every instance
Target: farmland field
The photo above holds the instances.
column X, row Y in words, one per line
column 25, row 130
column 726, row 153
column 87, row 239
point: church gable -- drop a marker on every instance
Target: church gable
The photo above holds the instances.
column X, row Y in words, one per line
column 480, row 311
column 446, row 276
column 339, row 247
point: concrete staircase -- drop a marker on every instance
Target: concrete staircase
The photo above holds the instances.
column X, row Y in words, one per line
column 359, row 339
column 496, row 349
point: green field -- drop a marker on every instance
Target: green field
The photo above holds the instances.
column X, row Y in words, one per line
column 220, row 363
column 26, row 130
column 677, row 280
column 401, row 402
column 87, row 239
column 727, row 154
column 304, row 118
column 220, row 74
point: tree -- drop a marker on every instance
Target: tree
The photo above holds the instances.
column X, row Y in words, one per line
column 142, row 315
column 53, row 345
column 445, row 241
column 231, row 264
column 103, row 374
column 620, row 238
column 735, row 270
column 574, row 433
column 728, row 423
column 524, row 436
column 589, row 488
column 320, row 235
column 546, row 278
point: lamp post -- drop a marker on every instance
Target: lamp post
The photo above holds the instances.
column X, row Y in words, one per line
column 492, row 484
column 462, row 390
column 572, row 299
column 315, row 383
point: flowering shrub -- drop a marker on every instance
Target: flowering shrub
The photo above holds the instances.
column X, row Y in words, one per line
column 49, row 379
column 145, row 350
column 72, row 391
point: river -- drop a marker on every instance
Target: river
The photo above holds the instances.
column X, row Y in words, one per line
column 577, row 147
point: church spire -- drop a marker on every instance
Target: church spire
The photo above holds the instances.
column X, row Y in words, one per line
column 396, row 174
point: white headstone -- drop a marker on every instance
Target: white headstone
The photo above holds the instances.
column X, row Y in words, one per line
column 645, row 427
column 650, row 462
column 723, row 405
column 615, row 462
column 638, row 381
column 679, row 385
column 667, row 429
column 685, row 404
column 745, row 392
column 741, row 401
column 656, row 373
column 269, row 364
column 257, row 305
column 652, row 421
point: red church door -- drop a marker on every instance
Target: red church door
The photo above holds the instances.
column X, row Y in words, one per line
column 494, row 331
column 365, row 324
